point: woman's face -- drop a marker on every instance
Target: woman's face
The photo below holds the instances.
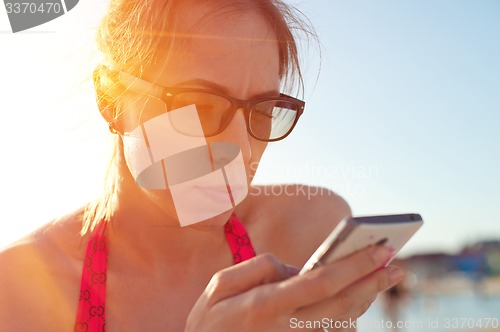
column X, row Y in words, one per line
column 235, row 54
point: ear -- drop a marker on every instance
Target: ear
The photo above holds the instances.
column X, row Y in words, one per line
column 103, row 100
column 107, row 110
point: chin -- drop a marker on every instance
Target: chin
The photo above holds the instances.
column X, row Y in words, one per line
column 214, row 223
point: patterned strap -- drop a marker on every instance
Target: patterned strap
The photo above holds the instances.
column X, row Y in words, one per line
column 238, row 240
column 91, row 314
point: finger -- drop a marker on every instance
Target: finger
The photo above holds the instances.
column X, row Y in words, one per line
column 366, row 289
column 328, row 280
column 354, row 300
column 239, row 278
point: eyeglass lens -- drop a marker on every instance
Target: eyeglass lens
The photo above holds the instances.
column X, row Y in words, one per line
column 268, row 120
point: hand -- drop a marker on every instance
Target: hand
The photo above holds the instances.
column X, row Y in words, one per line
column 263, row 294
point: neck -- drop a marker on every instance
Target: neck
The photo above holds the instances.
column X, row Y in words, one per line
column 144, row 232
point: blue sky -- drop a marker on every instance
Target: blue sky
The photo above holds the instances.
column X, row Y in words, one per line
column 403, row 118
column 410, row 89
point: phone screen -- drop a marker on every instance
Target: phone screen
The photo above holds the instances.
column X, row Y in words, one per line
column 354, row 234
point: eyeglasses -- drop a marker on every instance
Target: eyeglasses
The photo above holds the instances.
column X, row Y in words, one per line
column 267, row 119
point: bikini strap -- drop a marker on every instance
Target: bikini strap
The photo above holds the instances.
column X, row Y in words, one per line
column 238, row 240
column 91, row 314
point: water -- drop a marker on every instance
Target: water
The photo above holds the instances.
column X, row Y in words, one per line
column 465, row 311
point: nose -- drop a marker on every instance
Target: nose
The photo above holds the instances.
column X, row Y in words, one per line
column 236, row 132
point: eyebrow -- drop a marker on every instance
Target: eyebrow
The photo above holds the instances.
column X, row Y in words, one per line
column 220, row 88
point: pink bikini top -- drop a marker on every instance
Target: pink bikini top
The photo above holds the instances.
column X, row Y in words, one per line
column 91, row 314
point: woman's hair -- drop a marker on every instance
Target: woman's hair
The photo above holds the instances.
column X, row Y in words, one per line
column 136, row 35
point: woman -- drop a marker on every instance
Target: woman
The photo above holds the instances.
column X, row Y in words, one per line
column 157, row 251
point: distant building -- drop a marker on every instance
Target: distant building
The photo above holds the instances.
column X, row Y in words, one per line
column 430, row 265
column 475, row 261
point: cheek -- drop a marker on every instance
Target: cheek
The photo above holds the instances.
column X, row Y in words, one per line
column 258, row 148
column 136, row 110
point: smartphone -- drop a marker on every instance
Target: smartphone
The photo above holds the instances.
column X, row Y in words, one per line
column 353, row 234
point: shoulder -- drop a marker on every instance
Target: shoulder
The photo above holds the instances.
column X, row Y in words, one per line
column 291, row 220
column 38, row 274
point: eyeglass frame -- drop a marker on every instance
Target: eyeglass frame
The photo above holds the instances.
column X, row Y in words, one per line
column 167, row 94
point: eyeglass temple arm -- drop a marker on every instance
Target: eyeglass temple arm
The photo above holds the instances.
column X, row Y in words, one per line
column 139, row 85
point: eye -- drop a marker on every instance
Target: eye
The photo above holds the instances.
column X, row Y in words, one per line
column 264, row 110
column 205, row 102
column 206, row 109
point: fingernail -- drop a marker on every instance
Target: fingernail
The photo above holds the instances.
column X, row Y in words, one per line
column 380, row 254
column 396, row 274
column 386, row 262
